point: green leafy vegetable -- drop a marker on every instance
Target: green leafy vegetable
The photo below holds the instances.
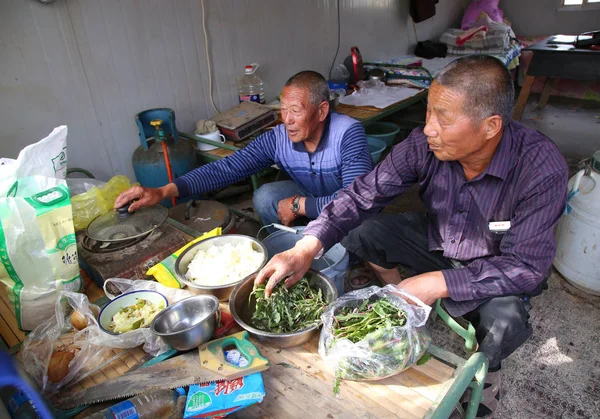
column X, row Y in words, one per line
column 424, row 359
column 385, row 350
column 356, row 323
column 287, row 311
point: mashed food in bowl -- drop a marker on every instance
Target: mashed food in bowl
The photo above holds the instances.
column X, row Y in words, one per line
column 223, row 264
column 135, row 316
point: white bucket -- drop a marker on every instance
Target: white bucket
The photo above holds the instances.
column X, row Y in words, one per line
column 578, row 233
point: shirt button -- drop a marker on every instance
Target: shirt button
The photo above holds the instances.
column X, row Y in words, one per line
column 314, row 173
column 452, row 241
column 461, row 211
column 313, row 163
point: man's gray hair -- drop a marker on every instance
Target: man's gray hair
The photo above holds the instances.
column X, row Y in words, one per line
column 315, row 83
column 485, row 83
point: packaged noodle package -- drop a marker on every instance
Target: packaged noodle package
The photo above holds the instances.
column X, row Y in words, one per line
column 38, row 250
column 164, row 271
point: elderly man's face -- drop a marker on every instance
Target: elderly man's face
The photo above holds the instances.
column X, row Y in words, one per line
column 301, row 118
column 451, row 134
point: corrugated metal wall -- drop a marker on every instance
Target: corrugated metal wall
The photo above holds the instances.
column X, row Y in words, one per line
column 94, row 64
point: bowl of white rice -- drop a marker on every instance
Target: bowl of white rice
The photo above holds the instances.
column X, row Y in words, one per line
column 216, row 265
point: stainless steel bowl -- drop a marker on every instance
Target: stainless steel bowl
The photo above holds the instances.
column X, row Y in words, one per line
column 188, row 323
column 222, row 292
column 241, row 308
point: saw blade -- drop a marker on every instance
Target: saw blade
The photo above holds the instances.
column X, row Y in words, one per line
column 203, row 365
column 180, row 371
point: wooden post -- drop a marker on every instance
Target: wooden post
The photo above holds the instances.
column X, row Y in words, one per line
column 548, row 85
column 523, row 96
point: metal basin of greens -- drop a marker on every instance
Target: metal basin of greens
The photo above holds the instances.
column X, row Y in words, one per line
column 242, row 307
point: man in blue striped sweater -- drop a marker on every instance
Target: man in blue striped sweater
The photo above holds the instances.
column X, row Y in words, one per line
column 322, row 153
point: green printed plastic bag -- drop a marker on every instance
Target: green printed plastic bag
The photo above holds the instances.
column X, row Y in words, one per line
column 38, row 251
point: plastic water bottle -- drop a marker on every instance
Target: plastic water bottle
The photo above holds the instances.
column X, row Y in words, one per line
column 251, row 88
column 155, row 404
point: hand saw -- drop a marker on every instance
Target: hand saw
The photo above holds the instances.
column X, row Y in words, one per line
column 202, row 365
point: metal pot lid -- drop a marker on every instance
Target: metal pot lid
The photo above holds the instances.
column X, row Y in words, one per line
column 122, row 225
column 202, row 215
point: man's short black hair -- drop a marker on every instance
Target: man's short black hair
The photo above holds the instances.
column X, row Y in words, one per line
column 315, row 83
column 486, row 84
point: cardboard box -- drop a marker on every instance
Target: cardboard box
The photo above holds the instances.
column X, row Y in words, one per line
column 219, row 399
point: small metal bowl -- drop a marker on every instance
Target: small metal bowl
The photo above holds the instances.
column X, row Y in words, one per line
column 188, row 323
column 222, row 292
column 242, row 308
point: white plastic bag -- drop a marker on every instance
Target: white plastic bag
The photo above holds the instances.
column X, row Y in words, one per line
column 44, row 340
column 381, row 353
column 91, row 343
column 79, row 185
column 47, row 157
column 370, row 88
column 38, row 249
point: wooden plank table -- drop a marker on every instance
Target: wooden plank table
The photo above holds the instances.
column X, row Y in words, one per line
column 556, row 61
column 298, row 382
column 369, row 114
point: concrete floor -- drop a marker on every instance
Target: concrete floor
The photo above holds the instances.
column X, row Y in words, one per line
column 556, row 374
column 574, row 125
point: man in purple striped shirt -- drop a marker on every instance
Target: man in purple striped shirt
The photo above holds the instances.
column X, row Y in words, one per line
column 494, row 190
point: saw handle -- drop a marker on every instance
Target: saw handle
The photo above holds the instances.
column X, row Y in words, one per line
column 213, row 357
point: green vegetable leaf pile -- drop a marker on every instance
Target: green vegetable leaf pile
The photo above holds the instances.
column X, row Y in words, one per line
column 382, row 349
column 287, row 311
column 356, row 323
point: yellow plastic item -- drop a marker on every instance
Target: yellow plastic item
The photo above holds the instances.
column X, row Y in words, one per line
column 164, row 271
column 97, row 201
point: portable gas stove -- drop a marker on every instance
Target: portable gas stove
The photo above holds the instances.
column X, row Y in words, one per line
column 124, row 245
column 129, row 258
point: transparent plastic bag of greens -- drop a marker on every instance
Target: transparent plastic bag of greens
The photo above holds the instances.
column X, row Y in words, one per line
column 383, row 352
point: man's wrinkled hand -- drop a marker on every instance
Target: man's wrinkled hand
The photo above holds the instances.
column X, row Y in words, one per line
column 427, row 287
column 290, row 265
column 146, row 197
column 285, row 213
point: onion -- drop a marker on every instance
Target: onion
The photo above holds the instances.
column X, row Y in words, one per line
column 59, row 365
column 78, row 320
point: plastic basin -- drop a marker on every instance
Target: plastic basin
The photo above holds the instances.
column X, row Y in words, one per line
column 332, row 264
column 385, row 131
column 376, row 148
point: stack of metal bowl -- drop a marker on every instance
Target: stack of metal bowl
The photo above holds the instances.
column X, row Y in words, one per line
column 241, row 307
column 222, row 292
